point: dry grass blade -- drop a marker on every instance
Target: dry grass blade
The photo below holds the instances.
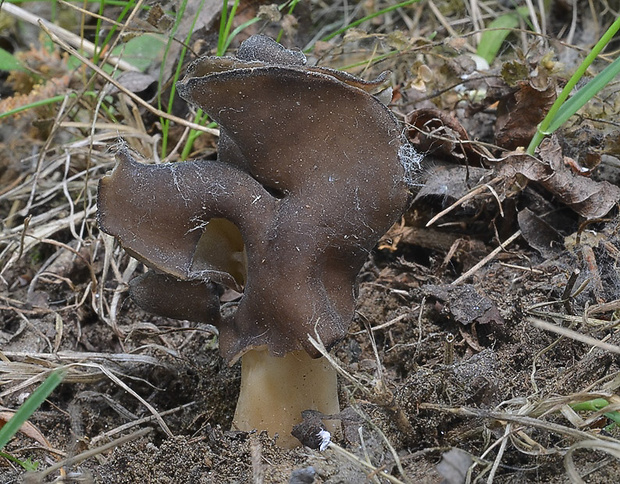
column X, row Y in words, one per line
column 569, row 333
column 603, row 308
column 73, row 356
column 49, row 229
column 469, row 196
column 140, row 421
column 355, row 459
column 523, row 420
column 125, row 387
column 38, row 477
column 18, row 375
column 381, row 395
column 502, row 441
column 568, row 318
column 422, row 380
column 120, row 87
column 22, row 375
column 611, row 448
column 70, row 37
column 489, row 257
column 446, row 24
column 318, row 344
column 91, row 14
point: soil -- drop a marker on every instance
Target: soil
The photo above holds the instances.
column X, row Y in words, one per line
column 467, row 371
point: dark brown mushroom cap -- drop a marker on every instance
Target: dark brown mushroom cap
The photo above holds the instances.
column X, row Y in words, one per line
column 309, row 172
column 159, row 212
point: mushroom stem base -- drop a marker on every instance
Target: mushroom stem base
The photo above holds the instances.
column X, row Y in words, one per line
column 275, row 390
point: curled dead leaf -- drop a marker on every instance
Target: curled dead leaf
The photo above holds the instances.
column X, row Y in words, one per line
column 434, row 131
column 519, row 114
column 589, row 198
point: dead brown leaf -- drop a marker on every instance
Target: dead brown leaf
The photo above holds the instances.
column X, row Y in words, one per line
column 434, row 131
column 539, row 234
column 454, row 466
column 449, row 183
column 27, row 429
column 589, row 198
column 519, row 114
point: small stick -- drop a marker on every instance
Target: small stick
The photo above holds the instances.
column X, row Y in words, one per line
column 492, row 255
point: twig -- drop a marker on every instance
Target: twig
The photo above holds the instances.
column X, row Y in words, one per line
column 522, row 268
column 384, row 325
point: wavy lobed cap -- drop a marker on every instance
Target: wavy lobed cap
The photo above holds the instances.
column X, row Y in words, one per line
column 309, row 177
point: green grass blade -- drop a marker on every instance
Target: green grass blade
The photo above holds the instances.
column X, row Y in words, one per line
column 177, row 76
column 234, row 33
column 165, row 123
column 33, row 402
column 292, row 6
column 584, row 94
column 27, row 464
column 543, row 127
column 8, row 62
column 36, row 104
column 112, row 31
column 221, row 39
column 230, row 37
column 229, row 23
column 496, row 32
column 595, row 405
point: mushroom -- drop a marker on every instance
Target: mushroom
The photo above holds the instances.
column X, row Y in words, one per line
column 312, row 170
